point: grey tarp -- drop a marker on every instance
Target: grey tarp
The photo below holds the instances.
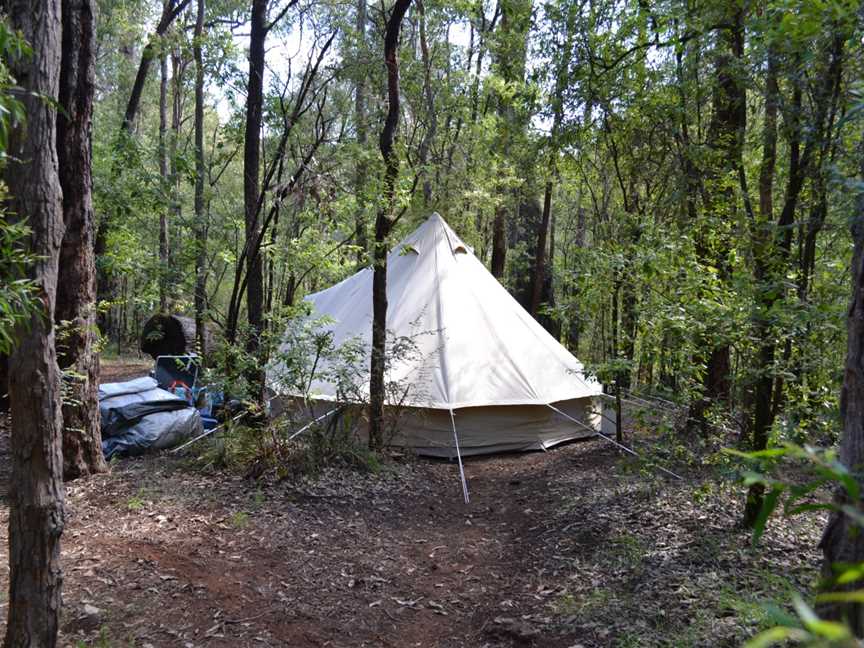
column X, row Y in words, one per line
column 138, row 416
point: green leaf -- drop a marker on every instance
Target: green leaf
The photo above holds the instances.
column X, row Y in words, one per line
column 856, row 596
column 807, row 508
column 825, row 629
column 769, row 504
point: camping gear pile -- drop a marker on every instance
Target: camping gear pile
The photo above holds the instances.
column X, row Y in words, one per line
column 158, row 411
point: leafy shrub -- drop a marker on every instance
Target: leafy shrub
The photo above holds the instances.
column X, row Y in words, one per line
column 308, row 434
column 820, row 472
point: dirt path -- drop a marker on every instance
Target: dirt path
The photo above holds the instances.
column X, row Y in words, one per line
column 559, row 549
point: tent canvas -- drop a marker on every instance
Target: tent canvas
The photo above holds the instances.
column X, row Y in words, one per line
column 476, row 353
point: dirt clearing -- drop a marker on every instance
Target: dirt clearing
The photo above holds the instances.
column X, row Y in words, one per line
column 567, row 548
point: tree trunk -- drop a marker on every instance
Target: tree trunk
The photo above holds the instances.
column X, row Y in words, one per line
column 629, row 325
column 360, row 171
column 170, row 11
column 383, row 225
column 178, row 67
column 727, row 132
column 431, row 115
column 4, row 383
column 251, row 169
column 76, row 294
column 726, row 135
column 539, row 267
column 842, row 541
column 574, row 318
column 36, row 482
column 164, row 237
column 766, row 280
column 510, row 53
column 200, row 213
column 499, row 243
column 551, row 320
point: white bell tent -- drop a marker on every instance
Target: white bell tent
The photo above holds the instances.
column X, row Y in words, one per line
column 483, row 376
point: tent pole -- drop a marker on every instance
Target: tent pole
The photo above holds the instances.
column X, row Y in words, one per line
column 612, row 441
column 459, row 457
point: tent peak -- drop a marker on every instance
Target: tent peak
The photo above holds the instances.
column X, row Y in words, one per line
column 428, row 232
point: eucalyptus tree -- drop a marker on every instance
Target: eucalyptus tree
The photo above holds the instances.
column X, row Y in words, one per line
column 200, row 171
column 75, row 312
column 36, row 513
column 384, row 222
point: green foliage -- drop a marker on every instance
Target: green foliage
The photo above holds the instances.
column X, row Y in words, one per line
column 823, row 469
column 303, row 438
column 819, row 471
column 18, row 298
column 138, row 501
column 12, row 47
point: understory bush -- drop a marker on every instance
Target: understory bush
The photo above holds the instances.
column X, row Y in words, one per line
column 293, row 432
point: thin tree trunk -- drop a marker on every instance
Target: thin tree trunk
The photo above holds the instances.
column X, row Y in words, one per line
column 252, row 247
column 76, row 294
column 164, row 237
column 360, row 171
column 178, row 68
column 170, row 11
column 251, row 171
column 842, row 541
column 36, row 515
column 383, row 225
column 4, row 383
column 551, row 321
column 539, row 269
column 431, row 115
column 629, row 325
column 766, row 280
column 574, row 319
column 499, row 243
column 510, row 58
column 200, row 170
column 726, row 134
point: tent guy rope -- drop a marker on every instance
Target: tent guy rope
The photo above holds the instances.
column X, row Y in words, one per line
column 221, row 426
column 639, row 401
column 207, row 433
column 311, row 423
column 459, row 457
column 610, row 440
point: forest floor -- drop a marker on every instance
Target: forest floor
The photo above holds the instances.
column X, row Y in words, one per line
column 573, row 547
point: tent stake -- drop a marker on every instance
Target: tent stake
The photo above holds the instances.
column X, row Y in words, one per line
column 612, row 441
column 459, row 457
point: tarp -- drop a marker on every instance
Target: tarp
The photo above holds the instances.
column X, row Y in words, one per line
column 475, row 346
column 138, row 416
